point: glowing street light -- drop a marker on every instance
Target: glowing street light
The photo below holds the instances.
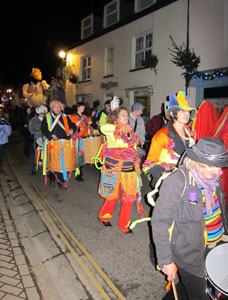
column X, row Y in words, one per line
column 62, row 54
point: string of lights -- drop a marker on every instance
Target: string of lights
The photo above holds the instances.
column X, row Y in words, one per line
column 210, row 75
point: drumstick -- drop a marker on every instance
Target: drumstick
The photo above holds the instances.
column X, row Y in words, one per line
column 174, row 290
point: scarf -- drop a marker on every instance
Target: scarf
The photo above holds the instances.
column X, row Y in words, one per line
column 209, row 186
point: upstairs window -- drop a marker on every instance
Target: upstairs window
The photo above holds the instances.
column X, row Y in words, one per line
column 87, row 27
column 108, row 61
column 111, row 13
column 143, row 4
column 86, row 68
column 143, row 47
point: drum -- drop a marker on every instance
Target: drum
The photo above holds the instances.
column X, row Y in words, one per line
column 91, row 147
column 61, row 154
column 217, row 272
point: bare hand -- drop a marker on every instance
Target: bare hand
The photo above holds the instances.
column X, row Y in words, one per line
column 170, row 271
column 71, row 131
column 127, row 128
column 54, row 137
column 225, row 238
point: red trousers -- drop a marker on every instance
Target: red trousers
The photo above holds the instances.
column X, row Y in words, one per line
column 106, row 213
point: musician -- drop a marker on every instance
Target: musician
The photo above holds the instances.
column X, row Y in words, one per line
column 57, row 125
column 189, row 217
column 78, row 117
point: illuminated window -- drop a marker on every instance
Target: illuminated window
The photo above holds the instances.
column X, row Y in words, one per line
column 111, row 13
column 108, row 61
column 86, row 68
column 143, row 48
column 143, row 4
column 87, row 27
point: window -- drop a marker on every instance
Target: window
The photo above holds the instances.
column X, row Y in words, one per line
column 143, row 47
column 142, row 4
column 111, row 13
column 86, row 68
column 108, row 61
column 87, row 27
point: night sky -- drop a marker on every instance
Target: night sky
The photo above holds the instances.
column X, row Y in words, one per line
column 33, row 33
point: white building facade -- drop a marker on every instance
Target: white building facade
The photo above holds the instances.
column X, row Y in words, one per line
column 109, row 63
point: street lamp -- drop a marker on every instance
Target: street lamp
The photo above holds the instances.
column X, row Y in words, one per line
column 62, row 54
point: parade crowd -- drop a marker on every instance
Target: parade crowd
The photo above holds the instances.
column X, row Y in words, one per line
column 186, row 162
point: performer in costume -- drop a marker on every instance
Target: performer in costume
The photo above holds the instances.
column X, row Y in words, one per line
column 204, row 121
column 169, row 143
column 34, row 91
column 221, row 131
column 189, row 217
column 56, row 125
column 120, row 173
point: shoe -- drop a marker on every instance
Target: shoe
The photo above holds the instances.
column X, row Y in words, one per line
column 105, row 224
column 78, row 178
column 129, row 231
column 33, row 173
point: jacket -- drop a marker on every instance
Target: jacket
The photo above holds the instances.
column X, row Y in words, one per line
column 165, row 150
column 178, row 226
column 5, row 131
column 35, row 127
column 138, row 126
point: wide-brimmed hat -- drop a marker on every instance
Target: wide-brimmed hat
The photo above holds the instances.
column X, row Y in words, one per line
column 41, row 110
column 210, row 151
column 179, row 101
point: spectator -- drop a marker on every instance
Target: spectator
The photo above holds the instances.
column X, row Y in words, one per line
column 5, row 131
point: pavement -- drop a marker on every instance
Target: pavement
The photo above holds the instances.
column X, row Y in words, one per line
column 33, row 265
column 16, row 278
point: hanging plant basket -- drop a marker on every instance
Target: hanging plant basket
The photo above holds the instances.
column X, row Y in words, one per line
column 73, row 78
column 150, row 61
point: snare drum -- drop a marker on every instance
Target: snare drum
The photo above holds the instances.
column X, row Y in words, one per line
column 91, row 147
column 61, row 154
column 217, row 272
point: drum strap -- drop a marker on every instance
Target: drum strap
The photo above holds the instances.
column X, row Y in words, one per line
column 56, row 118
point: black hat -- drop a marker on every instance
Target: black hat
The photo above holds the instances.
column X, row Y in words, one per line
column 210, row 151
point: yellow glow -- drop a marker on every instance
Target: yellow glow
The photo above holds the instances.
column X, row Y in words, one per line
column 62, row 54
column 69, row 59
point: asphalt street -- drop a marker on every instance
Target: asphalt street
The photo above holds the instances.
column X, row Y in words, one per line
column 123, row 258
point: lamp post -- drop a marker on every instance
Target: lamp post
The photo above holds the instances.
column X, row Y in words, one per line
column 62, row 55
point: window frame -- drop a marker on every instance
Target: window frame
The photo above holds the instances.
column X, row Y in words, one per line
column 137, row 5
column 87, row 68
column 106, row 15
column 83, row 28
column 108, row 61
column 143, row 50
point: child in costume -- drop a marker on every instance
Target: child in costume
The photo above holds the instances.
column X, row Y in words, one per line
column 120, row 173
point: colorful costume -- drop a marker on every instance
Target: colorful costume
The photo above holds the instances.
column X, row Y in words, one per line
column 167, row 145
column 34, row 91
column 204, row 121
column 221, row 131
column 120, row 174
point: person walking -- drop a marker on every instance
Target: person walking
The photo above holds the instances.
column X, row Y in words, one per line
column 5, row 132
column 189, row 217
column 120, row 174
column 138, row 125
column 170, row 142
column 34, row 127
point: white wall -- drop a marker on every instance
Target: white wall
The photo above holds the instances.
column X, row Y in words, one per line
column 206, row 38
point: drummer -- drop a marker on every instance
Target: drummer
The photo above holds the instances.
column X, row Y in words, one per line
column 78, row 117
column 189, row 217
column 56, row 125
